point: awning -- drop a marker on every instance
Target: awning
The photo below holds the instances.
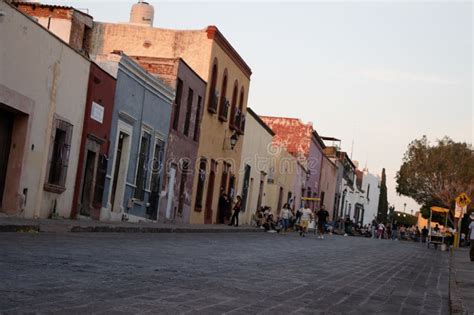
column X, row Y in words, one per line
column 310, row 199
column 439, row 209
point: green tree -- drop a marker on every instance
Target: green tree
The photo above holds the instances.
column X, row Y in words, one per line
column 383, row 202
column 436, row 174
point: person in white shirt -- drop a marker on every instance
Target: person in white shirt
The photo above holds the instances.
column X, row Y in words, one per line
column 306, row 217
column 285, row 217
column 471, row 236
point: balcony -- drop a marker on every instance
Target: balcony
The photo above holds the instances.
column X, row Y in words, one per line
column 234, row 123
column 213, row 101
column 241, row 124
column 224, row 109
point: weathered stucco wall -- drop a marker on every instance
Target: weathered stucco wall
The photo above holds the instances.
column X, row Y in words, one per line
column 40, row 67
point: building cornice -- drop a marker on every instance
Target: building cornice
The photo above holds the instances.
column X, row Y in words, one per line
column 214, row 34
column 157, row 86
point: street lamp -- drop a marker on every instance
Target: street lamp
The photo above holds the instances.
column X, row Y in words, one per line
column 404, row 207
column 233, row 140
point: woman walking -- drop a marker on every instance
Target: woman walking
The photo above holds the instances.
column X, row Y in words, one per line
column 285, row 217
column 235, row 216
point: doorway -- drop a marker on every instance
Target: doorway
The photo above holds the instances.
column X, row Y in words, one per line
column 245, row 186
column 152, row 210
column 120, row 171
column 88, row 184
column 6, row 127
column 210, row 194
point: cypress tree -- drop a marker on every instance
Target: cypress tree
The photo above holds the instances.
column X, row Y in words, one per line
column 383, row 202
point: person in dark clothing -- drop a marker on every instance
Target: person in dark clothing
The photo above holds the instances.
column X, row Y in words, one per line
column 424, row 234
column 223, row 206
column 235, row 216
column 322, row 220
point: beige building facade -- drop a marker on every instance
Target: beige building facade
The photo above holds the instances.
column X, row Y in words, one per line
column 43, row 87
column 254, row 166
column 213, row 58
column 283, row 172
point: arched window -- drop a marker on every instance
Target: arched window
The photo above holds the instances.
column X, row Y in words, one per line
column 233, row 111
column 224, row 103
column 213, row 98
column 240, row 119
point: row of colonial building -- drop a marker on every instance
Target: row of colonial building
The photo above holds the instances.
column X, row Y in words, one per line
column 131, row 122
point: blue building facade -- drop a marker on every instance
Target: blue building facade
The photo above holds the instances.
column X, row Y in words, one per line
column 139, row 133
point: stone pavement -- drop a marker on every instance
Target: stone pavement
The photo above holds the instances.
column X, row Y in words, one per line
column 14, row 224
column 232, row 273
column 462, row 283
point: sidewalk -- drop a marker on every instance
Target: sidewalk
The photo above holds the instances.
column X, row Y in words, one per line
column 12, row 224
column 461, row 283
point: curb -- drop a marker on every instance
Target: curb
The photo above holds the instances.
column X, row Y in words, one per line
column 19, row 228
column 119, row 229
column 455, row 302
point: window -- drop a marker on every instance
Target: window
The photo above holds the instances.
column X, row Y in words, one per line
column 200, row 187
column 213, row 97
column 368, row 192
column 177, row 103
column 233, row 111
column 197, row 120
column 240, row 119
column 189, row 109
column 224, row 103
column 59, row 156
column 142, row 171
column 182, row 185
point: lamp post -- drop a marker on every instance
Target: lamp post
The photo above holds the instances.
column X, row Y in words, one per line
column 233, row 140
column 405, row 207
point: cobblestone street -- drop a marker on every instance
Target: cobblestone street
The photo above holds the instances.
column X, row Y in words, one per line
column 238, row 273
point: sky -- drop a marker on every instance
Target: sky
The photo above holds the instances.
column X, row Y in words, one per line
column 374, row 74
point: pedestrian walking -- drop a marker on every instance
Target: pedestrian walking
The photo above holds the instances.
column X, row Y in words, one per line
column 395, row 231
column 471, row 237
column 373, row 228
column 286, row 215
column 235, row 216
column 306, row 217
column 322, row 220
column 380, row 230
column 223, row 206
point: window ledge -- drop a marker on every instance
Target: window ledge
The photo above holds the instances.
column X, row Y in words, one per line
column 54, row 188
column 197, row 209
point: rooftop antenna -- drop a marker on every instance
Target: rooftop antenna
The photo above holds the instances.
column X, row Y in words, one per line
column 352, row 147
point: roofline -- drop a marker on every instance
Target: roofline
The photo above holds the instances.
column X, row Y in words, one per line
column 43, row 5
column 102, row 69
column 349, row 159
column 11, row 5
column 155, row 83
column 175, row 59
column 191, row 68
column 318, row 138
column 260, row 121
column 214, row 33
column 329, row 138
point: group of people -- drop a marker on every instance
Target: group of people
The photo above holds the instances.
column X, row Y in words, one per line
column 287, row 219
column 395, row 231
